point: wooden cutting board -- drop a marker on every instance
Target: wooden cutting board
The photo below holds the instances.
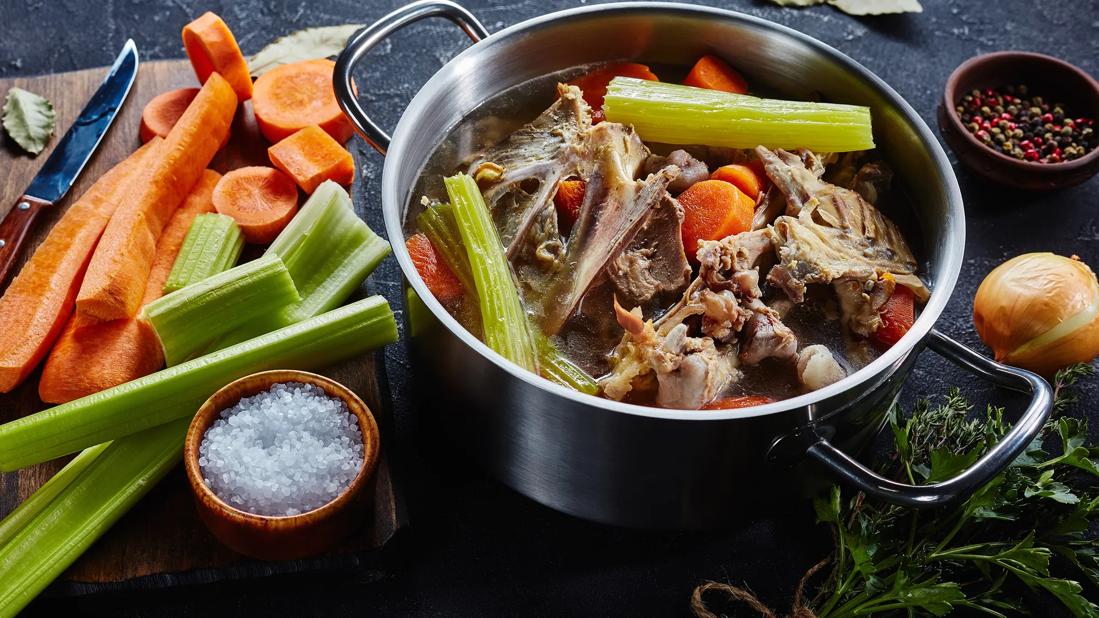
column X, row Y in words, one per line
column 162, row 541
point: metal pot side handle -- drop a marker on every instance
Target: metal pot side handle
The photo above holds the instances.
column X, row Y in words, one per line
column 973, row 477
column 374, row 34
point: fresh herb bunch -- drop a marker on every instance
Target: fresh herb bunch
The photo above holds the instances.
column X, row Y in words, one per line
column 979, row 555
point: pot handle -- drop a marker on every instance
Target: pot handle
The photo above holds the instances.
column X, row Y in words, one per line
column 377, row 32
column 976, row 475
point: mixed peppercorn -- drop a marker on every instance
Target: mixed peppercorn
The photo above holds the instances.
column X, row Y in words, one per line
column 1026, row 127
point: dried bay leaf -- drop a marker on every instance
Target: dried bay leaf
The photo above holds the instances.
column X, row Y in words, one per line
column 28, row 119
column 308, row 44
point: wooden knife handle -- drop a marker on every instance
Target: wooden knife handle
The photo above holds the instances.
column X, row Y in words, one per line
column 13, row 232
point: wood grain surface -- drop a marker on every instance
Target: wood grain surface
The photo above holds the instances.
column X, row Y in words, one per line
column 162, row 542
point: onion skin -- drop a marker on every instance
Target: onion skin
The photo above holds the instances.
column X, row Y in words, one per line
column 1027, row 296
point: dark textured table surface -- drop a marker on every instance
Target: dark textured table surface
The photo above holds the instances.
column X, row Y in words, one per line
column 476, row 548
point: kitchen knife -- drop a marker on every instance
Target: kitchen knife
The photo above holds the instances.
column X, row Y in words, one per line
column 69, row 157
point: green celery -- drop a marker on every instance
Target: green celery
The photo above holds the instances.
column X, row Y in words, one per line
column 674, row 114
column 44, row 495
column 438, row 224
column 178, row 391
column 213, row 245
column 189, row 320
column 110, row 481
column 506, row 326
column 328, row 250
column 557, row 368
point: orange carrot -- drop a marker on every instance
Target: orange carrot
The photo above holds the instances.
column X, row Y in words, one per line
column 712, row 210
column 91, row 356
column 40, row 299
column 742, row 177
column 293, row 96
column 262, row 200
column 311, row 157
column 897, row 316
column 212, row 48
column 568, row 200
column 594, row 84
column 442, row 282
column 713, row 73
column 113, row 286
column 162, row 112
column 743, row 401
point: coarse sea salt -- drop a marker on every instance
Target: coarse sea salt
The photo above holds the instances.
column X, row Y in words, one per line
column 284, row 451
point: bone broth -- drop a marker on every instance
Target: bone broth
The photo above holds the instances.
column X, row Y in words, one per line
column 665, row 245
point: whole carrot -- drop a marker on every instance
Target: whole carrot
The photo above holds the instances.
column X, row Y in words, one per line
column 115, row 281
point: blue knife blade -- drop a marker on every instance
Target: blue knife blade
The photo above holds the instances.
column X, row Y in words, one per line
column 79, row 143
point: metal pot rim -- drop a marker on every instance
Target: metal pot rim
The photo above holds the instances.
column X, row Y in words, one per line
column 392, row 206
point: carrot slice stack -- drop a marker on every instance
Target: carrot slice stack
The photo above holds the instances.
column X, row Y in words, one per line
column 262, row 200
column 115, row 281
column 212, row 48
column 91, row 356
column 35, row 306
column 311, row 157
column 163, row 111
column 293, row 96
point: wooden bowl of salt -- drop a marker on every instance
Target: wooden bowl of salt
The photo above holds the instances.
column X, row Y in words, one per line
column 279, row 463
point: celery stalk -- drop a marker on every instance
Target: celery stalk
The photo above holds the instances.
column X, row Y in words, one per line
column 506, row 326
column 438, row 224
column 557, row 368
column 189, row 320
column 213, row 245
column 440, row 227
column 178, row 391
column 16, row 520
column 328, row 250
column 674, row 114
column 110, row 482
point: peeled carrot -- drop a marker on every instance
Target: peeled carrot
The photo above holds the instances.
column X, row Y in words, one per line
column 743, row 401
column 712, row 210
column 115, row 281
column 162, row 112
column 212, row 48
column 742, row 177
column 262, row 200
column 568, row 200
column 443, row 283
column 713, row 73
column 311, row 157
column 594, row 84
column 293, row 96
column 40, row 299
column 91, row 356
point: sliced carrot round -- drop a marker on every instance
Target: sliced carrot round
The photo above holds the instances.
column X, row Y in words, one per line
column 713, row 73
column 568, row 200
column 712, row 210
column 742, row 177
column 293, row 96
column 262, row 200
column 212, row 47
column 163, row 111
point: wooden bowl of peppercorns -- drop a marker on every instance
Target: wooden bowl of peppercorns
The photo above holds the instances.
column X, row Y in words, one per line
column 1022, row 119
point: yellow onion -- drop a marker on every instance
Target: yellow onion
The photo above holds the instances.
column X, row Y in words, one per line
column 1039, row 311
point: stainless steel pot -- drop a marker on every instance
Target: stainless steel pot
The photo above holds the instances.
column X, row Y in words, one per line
column 647, row 467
